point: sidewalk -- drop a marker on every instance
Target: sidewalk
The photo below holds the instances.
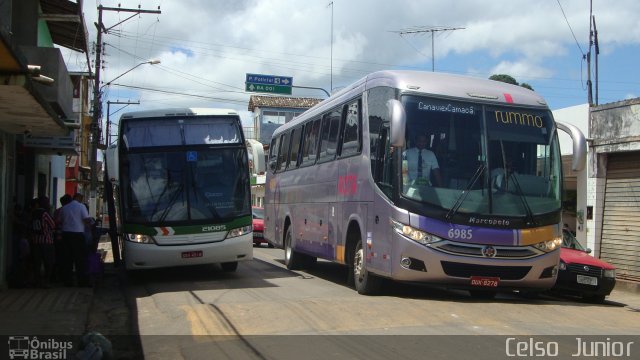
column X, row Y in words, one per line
column 73, row 311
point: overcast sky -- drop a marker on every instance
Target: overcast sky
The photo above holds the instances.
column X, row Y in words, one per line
column 206, row 47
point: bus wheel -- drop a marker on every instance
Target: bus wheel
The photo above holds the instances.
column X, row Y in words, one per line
column 365, row 282
column 292, row 259
column 229, row 266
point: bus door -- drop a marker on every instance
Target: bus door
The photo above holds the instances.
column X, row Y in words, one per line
column 272, row 216
column 379, row 245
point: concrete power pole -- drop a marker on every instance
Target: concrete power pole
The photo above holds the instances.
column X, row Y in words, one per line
column 97, row 104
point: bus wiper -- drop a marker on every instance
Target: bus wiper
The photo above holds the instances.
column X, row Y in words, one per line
column 164, row 190
column 523, row 199
column 465, row 192
column 172, row 201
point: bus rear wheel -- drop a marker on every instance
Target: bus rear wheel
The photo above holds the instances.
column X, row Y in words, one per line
column 365, row 282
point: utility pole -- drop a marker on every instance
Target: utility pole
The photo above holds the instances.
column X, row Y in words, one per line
column 432, row 30
column 589, row 85
column 597, row 48
column 331, row 65
column 97, row 105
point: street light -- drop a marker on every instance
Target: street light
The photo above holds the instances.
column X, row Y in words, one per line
column 150, row 62
column 95, row 129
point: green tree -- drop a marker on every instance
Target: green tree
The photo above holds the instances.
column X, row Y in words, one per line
column 525, row 85
column 509, row 80
column 504, row 78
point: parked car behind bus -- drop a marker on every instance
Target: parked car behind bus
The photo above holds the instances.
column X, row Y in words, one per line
column 258, row 226
column 581, row 274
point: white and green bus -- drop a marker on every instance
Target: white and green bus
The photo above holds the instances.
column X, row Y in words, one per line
column 180, row 180
column 481, row 212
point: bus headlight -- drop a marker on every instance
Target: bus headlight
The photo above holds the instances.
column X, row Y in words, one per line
column 141, row 239
column 414, row 234
column 550, row 245
column 239, row 231
column 610, row 273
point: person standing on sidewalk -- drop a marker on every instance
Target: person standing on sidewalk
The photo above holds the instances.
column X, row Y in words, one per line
column 57, row 240
column 42, row 250
column 74, row 217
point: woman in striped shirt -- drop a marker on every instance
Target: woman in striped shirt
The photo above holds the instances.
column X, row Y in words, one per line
column 42, row 248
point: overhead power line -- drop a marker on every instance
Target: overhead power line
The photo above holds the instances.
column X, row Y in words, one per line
column 569, row 25
column 182, row 94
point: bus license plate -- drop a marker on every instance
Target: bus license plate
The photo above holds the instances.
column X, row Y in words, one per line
column 191, row 254
column 587, row 280
column 485, row 281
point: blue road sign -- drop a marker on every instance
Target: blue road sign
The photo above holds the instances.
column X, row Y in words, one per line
column 269, row 80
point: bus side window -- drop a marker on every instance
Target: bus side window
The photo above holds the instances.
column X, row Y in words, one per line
column 384, row 171
column 351, row 138
column 283, row 152
column 273, row 153
column 310, row 143
column 329, row 137
column 296, row 135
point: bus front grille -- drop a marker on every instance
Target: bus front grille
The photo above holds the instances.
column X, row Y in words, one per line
column 468, row 270
column 502, row 252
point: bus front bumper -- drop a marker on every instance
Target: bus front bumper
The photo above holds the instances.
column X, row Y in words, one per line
column 150, row 256
column 428, row 265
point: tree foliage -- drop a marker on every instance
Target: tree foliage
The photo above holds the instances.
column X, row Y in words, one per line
column 509, row 80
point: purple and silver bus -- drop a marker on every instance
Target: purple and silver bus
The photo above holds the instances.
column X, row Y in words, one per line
column 422, row 177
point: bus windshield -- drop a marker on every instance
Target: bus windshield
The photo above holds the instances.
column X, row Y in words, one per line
column 474, row 159
column 170, row 187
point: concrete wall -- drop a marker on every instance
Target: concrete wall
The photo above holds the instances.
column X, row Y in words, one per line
column 614, row 127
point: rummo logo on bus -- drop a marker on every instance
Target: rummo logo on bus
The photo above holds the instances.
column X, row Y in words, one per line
column 31, row 347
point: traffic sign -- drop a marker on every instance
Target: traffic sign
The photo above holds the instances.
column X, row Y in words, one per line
column 274, row 89
column 269, row 79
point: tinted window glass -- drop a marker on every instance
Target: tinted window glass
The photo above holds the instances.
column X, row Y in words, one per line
column 329, row 137
column 178, row 131
column 351, row 137
column 310, row 142
column 283, row 152
column 295, row 147
column 378, row 114
column 166, row 187
column 273, row 153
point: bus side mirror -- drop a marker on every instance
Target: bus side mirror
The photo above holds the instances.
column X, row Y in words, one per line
column 398, row 122
column 272, row 165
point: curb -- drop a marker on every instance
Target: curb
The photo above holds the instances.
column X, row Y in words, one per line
column 628, row 286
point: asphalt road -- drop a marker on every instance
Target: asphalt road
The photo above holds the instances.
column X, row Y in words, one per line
column 266, row 311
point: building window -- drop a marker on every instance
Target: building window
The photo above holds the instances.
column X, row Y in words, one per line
column 278, row 117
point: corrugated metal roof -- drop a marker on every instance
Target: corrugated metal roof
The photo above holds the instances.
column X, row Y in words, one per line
column 281, row 102
column 66, row 23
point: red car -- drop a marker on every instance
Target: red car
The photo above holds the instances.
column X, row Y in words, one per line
column 258, row 226
column 581, row 274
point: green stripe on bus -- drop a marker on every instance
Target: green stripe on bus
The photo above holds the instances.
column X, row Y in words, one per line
column 188, row 229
